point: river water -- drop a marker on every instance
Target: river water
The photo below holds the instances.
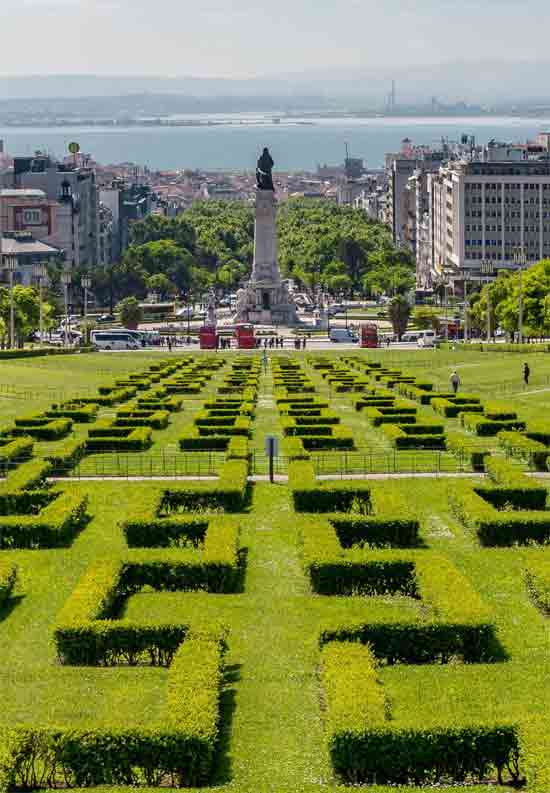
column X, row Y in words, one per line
column 235, row 144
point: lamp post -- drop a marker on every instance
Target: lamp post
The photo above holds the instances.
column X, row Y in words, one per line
column 86, row 284
column 66, row 281
column 467, row 280
column 488, row 268
column 10, row 264
column 40, row 274
column 521, row 260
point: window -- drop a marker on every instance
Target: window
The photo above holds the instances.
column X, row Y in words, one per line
column 32, row 217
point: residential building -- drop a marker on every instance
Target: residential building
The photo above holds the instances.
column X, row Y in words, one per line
column 74, row 187
column 28, row 252
column 485, row 212
column 30, row 211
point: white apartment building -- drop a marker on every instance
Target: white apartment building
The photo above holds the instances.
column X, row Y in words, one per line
column 485, row 211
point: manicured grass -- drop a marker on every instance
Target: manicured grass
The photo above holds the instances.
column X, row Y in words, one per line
column 272, row 704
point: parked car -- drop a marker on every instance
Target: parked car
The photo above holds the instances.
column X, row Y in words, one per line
column 343, row 335
column 106, row 318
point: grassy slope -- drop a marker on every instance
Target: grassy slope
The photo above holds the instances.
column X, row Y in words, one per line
column 273, row 733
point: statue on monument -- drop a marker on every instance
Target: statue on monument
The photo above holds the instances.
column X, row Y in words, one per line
column 264, row 177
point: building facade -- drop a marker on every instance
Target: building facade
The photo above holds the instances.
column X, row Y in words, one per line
column 485, row 212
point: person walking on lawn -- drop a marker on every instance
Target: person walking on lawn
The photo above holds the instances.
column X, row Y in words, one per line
column 526, row 374
column 455, row 381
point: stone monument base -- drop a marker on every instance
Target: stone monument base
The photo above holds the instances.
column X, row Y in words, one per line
column 265, row 300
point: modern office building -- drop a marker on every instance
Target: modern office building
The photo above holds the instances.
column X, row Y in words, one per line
column 485, row 212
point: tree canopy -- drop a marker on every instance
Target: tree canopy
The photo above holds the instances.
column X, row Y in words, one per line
column 321, row 245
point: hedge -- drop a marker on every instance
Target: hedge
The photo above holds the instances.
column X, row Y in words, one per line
column 54, row 526
column 422, row 436
column 450, row 409
column 122, row 440
column 46, row 430
column 66, row 457
column 520, row 445
column 112, row 398
column 28, row 476
column 485, row 427
column 454, row 623
column 87, row 632
column 537, row 580
column 467, row 450
column 135, row 417
column 178, row 751
column 366, row 747
column 16, row 451
column 389, row 415
column 478, row 507
column 172, row 404
column 539, row 431
column 76, row 411
column 8, row 577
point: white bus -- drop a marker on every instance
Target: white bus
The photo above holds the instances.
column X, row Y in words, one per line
column 114, row 340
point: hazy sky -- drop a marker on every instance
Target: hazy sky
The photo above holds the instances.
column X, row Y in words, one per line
column 239, row 38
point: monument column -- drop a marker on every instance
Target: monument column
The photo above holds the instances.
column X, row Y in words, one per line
column 265, row 266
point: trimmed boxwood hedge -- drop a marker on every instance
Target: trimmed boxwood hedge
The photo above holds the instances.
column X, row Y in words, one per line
column 16, row 451
column 537, row 580
column 67, row 456
column 28, row 476
column 42, row 428
column 367, row 747
column 54, row 526
column 87, row 632
column 179, row 750
column 485, row 427
column 8, row 577
column 478, row 507
column 520, row 445
column 122, row 439
column 471, row 451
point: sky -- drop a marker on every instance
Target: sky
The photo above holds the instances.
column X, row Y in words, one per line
column 244, row 38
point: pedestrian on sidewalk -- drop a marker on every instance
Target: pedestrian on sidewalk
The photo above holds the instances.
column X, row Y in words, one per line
column 455, row 381
column 526, row 374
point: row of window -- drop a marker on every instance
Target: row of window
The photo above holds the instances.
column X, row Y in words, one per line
column 507, row 229
column 507, row 186
column 508, row 243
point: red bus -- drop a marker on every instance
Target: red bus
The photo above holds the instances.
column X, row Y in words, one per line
column 208, row 338
column 369, row 335
column 244, row 334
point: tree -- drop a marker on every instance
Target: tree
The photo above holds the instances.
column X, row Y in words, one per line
column 426, row 317
column 26, row 311
column 162, row 285
column 340, row 284
column 399, row 311
column 131, row 313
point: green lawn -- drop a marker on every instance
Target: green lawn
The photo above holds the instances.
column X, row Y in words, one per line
column 272, row 704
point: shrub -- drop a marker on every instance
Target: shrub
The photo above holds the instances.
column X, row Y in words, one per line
column 76, row 411
column 467, row 450
column 53, row 527
column 120, row 439
column 520, row 445
column 8, row 577
column 46, row 430
column 16, row 451
column 29, row 476
column 486, row 427
column 65, row 458
column 537, row 580
column 451, row 408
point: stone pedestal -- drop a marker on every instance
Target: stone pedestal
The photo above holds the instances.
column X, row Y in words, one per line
column 265, row 300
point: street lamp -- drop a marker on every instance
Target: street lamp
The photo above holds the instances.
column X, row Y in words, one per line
column 86, row 283
column 40, row 273
column 66, row 281
column 10, row 264
column 467, row 281
column 520, row 260
column 488, row 268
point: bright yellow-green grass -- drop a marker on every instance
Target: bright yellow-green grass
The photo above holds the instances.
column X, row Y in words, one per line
column 272, row 728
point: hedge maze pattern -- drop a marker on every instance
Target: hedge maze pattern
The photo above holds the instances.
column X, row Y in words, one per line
column 390, row 611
